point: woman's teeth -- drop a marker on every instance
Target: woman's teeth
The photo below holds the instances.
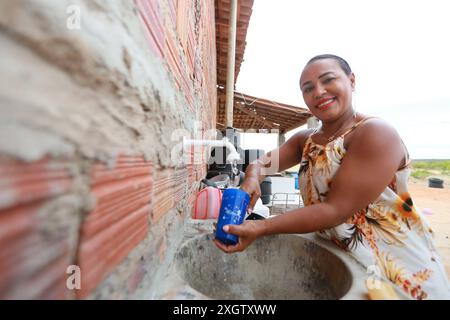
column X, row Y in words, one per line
column 325, row 103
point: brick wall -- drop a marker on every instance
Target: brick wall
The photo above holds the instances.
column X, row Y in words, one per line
column 89, row 118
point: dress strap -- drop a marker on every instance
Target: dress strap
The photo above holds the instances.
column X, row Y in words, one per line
column 312, row 132
column 355, row 126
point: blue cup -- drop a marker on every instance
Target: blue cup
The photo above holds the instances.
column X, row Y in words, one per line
column 232, row 211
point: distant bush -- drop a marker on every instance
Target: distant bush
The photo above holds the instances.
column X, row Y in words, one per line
column 420, row 174
column 443, row 166
column 423, row 168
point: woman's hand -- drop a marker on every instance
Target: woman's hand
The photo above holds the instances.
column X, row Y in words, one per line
column 252, row 187
column 247, row 232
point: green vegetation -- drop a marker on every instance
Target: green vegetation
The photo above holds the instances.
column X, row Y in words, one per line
column 422, row 169
column 420, row 174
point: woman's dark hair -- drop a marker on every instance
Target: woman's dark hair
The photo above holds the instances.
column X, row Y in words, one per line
column 342, row 63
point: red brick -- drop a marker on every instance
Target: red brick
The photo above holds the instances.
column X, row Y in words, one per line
column 119, row 220
column 32, row 264
column 149, row 13
column 27, row 182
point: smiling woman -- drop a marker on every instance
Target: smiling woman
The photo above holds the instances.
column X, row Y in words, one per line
column 353, row 180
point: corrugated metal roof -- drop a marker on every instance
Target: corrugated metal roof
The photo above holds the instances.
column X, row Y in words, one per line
column 263, row 113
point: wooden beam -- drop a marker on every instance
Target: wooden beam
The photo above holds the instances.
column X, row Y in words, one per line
column 277, row 116
column 296, row 125
column 253, row 123
column 255, row 116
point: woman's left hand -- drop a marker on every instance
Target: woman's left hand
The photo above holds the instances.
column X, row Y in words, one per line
column 247, row 232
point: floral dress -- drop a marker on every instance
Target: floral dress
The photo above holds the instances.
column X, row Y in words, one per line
column 390, row 234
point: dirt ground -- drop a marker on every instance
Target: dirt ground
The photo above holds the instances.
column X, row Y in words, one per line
column 435, row 203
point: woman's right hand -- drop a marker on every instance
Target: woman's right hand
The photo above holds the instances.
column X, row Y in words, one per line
column 247, row 232
column 252, row 187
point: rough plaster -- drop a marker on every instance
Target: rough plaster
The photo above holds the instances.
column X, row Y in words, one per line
column 79, row 89
column 88, row 95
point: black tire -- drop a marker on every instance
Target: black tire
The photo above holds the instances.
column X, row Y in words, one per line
column 435, row 183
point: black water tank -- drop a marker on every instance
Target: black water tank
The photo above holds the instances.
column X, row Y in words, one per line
column 436, row 183
column 250, row 156
column 266, row 190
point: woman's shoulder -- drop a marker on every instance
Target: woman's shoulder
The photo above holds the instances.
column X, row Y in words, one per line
column 298, row 140
column 373, row 129
column 373, row 124
column 303, row 135
column 375, row 137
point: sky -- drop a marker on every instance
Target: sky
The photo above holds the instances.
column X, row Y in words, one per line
column 399, row 51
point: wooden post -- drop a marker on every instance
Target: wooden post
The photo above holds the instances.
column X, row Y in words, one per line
column 281, row 138
column 231, row 64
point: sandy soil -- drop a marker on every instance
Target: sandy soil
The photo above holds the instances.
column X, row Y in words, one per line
column 437, row 201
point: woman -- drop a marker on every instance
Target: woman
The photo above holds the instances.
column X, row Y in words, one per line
column 353, row 180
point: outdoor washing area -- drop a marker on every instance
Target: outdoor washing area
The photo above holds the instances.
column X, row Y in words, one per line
column 121, row 142
column 275, row 267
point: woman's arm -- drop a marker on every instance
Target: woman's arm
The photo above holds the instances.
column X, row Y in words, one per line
column 373, row 156
column 286, row 156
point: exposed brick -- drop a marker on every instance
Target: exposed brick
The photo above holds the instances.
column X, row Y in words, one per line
column 33, row 256
column 28, row 182
column 180, row 179
column 164, row 194
column 119, row 220
column 149, row 13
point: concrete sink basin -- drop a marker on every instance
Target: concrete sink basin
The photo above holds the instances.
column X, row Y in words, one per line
column 276, row 267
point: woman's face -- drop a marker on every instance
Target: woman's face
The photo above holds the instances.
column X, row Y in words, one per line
column 326, row 89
